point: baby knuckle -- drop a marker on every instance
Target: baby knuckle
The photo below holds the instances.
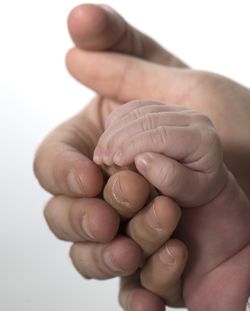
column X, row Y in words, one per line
column 147, row 122
column 163, row 177
column 167, row 176
column 135, row 114
column 211, row 137
column 202, row 119
column 162, row 134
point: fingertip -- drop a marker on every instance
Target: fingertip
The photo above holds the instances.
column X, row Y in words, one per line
column 143, row 300
column 126, row 254
column 143, row 161
column 97, row 156
column 95, row 27
column 81, row 20
column 168, row 211
column 103, row 221
column 162, row 272
column 84, row 179
column 127, row 192
column 72, row 59
column 179, row 251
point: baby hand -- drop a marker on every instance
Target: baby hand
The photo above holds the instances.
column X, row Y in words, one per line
column 177, row 150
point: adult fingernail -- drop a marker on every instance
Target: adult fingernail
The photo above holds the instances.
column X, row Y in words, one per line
column 167, row 257
column 86, row 229
column 75, row 183
column 107, row 256
column 152, row 219
column 118, row 193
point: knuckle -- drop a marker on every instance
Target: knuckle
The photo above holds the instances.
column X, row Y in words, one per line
column 148, row 122
column 167, row 175
column 149, row 281
column 209, row 80
column 211, row 138
column 135, row 114
column 163, row 135
column 200, row 118
column 124, row 78
column 210, row 149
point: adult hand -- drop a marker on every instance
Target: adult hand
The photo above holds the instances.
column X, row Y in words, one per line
column 64, row 167
column 127, row 78
column 179, row 152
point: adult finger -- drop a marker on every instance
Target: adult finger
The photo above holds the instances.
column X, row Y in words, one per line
column 132, row 296
column 83, row 219
column 63, row 163
column 99, row 27
column 162, row 272
column 127, row 192
column 151, row 227
column 125, row 78
column 119, row 257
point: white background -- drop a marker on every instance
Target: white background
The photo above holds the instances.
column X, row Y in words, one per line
column 36, row 93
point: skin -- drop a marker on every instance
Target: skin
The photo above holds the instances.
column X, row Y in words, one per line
column 225, row 102
column 174, row 148
column 64, row 167
column 187, row 145
column 71, row 145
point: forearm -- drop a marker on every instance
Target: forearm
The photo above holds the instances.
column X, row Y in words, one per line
column 229, row 214
column 224, row 260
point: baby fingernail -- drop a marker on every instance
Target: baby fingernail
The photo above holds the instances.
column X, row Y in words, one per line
column 86, row 229
column 110, row 262
column 97, row 156
column 106, row 157
column 117, row 157
column 142, row 161
column 167, row 257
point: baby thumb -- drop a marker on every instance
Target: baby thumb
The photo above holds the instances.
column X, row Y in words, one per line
column 172, row 178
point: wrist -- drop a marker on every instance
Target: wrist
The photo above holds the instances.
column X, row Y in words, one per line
column 223, row 223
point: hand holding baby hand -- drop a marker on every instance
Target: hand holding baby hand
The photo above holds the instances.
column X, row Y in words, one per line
column 175, row 149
